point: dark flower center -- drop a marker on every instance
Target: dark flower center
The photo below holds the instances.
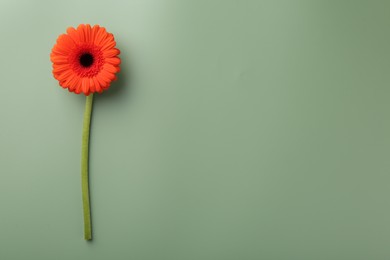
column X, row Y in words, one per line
column 86, row 60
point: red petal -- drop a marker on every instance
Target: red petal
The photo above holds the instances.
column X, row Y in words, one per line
column 111, row 53
column 114, row 61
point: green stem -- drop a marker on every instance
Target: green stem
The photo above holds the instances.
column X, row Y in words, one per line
column 84, row 168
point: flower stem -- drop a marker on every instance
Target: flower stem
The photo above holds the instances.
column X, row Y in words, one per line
column 84, row 168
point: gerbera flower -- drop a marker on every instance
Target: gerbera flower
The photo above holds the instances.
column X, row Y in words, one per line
column 85, row 59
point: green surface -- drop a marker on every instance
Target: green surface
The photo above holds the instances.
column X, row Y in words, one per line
column 237, row 130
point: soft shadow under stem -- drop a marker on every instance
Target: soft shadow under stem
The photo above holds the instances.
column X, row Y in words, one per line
column 84, row 168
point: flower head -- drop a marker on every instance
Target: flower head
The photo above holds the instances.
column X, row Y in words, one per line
column 85, row 59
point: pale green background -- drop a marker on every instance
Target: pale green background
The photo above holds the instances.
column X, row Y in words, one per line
column 238, row 130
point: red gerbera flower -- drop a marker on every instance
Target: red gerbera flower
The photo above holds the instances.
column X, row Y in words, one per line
column 85, row 59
